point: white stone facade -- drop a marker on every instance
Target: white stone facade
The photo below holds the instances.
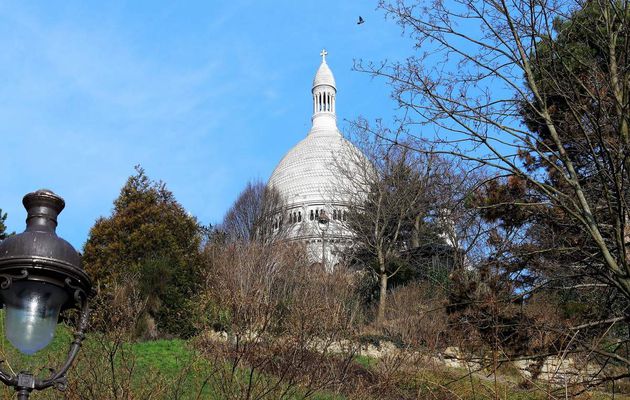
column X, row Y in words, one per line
column 309, row 179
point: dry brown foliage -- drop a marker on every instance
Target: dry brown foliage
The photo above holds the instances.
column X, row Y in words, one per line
column 106, row 365
column 416, row 314
column 286, row 322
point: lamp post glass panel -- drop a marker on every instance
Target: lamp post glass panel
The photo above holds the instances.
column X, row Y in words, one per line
column 40, row 275
column 31, row 314
column 323, row 222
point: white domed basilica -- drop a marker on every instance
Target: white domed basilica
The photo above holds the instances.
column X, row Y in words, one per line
column 311, row 182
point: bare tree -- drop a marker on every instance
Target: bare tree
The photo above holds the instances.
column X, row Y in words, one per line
column 393, row 195
column 539, row 93
column 254, row 215
column 474, row 89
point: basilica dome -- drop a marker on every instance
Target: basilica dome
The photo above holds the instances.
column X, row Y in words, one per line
column 317, row 178
column 313, row 170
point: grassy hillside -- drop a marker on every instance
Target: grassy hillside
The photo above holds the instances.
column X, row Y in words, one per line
column 169, row 369
column 173, row 369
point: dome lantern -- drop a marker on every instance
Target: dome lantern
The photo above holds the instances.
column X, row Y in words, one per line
column 324, row 97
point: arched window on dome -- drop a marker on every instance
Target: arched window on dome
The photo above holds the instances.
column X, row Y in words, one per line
column 317, row 214
column 295, row 217
column 299, row 216
column 334, row 214
column 345, row 216
column 312, row 217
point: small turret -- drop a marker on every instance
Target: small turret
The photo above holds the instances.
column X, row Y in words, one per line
column 324, row 97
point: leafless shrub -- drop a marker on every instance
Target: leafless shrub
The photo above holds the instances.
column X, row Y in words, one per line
column 118, row 308
column 286, row 322
column 417, row 315
column 107, row 367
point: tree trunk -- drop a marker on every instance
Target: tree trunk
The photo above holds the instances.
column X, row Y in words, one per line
column 382, row 299
column 415, row 236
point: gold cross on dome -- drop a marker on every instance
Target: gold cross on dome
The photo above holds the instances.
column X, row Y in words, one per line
column 324, row 53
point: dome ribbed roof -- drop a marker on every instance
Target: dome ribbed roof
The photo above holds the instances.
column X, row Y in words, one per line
column 324, row 76
column 309, row 171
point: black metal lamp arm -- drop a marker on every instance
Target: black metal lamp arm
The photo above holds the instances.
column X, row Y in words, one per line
column 8, row 378
column 58, row 378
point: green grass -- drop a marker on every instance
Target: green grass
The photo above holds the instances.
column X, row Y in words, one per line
column 365, row 361
column 166, row 356
column 168, row 368
column 171, row 357
column 175, row 361
column 174, row 369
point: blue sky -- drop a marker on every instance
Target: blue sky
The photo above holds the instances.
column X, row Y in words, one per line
column 204, row 95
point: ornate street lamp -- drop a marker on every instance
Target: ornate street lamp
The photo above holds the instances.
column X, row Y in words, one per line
column 323, row 222
column 40, row 275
